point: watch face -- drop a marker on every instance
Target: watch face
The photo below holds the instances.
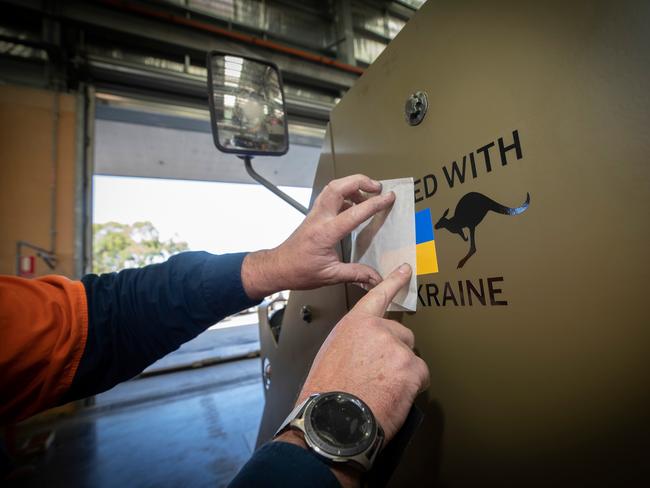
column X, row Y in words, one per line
column 340, row 424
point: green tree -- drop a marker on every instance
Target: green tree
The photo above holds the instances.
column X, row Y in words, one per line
column 117, row 246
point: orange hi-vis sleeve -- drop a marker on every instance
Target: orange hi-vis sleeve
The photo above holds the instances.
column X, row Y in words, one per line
column 43, row 331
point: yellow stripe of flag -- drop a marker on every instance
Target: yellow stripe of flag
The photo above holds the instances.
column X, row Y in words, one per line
column 426, row 258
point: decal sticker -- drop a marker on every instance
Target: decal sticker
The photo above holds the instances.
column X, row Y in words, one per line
column 470, row 211
column 425, row 245
column 447, row 290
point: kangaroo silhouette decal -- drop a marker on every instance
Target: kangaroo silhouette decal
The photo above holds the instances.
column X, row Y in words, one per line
column 470, row 211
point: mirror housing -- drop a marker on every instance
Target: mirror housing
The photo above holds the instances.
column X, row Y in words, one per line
column 247, row 110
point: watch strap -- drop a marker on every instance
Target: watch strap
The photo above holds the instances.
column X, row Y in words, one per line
column 295, row 413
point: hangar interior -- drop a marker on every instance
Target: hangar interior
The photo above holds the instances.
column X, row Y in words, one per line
column 113, row 89
column 513, row 353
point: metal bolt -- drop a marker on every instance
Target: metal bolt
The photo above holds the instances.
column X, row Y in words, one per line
column 306, row 313
column 416, row 107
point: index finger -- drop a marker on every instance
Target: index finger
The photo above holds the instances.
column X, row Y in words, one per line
column 337, row 191
column 376, row 301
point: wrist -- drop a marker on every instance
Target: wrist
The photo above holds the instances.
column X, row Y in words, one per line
column 347, row 476
column 259, row 274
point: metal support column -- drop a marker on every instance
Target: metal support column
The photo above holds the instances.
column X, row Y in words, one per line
column 344, row 31
column 84, row 151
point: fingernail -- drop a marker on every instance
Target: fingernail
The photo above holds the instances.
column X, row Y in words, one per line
column 372, row 282
column 405, row 268
column 375, row 182
column 390, row 195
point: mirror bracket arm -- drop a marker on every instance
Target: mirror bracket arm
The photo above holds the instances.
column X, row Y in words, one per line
column 266, row 183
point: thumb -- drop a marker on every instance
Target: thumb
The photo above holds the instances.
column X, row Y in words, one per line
column 356, row 273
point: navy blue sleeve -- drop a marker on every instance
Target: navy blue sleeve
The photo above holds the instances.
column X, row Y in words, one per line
column 137, row 316
column 280, row 464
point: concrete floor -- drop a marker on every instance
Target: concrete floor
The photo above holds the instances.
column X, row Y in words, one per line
column 214, row 345
column 188, row 428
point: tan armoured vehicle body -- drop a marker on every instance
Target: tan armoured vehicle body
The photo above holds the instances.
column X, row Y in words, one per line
column 539, row 344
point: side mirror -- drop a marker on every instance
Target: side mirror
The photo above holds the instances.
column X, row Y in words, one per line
column 247, row 112
column 246, row 106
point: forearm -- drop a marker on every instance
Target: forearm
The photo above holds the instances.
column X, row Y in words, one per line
column 138, row 316
column 260, row 274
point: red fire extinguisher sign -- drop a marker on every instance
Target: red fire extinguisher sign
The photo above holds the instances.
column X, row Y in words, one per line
column 27, row 266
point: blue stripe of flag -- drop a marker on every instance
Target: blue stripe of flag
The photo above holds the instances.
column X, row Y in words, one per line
column 423, row 226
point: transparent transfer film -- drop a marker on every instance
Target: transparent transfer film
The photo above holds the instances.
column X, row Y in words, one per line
column 388, row 239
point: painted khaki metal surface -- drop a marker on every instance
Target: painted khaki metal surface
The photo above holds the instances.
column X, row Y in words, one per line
column 538, row 342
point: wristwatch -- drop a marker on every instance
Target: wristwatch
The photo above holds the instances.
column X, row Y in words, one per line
column 338, row 427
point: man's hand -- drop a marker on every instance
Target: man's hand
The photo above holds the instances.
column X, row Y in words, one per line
column 372, row 358
column 308, row 258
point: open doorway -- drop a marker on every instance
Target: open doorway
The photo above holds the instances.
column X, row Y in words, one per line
column 161, row 187
column 140, row 221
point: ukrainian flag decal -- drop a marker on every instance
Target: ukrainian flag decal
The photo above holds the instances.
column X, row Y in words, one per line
column 425, row 245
